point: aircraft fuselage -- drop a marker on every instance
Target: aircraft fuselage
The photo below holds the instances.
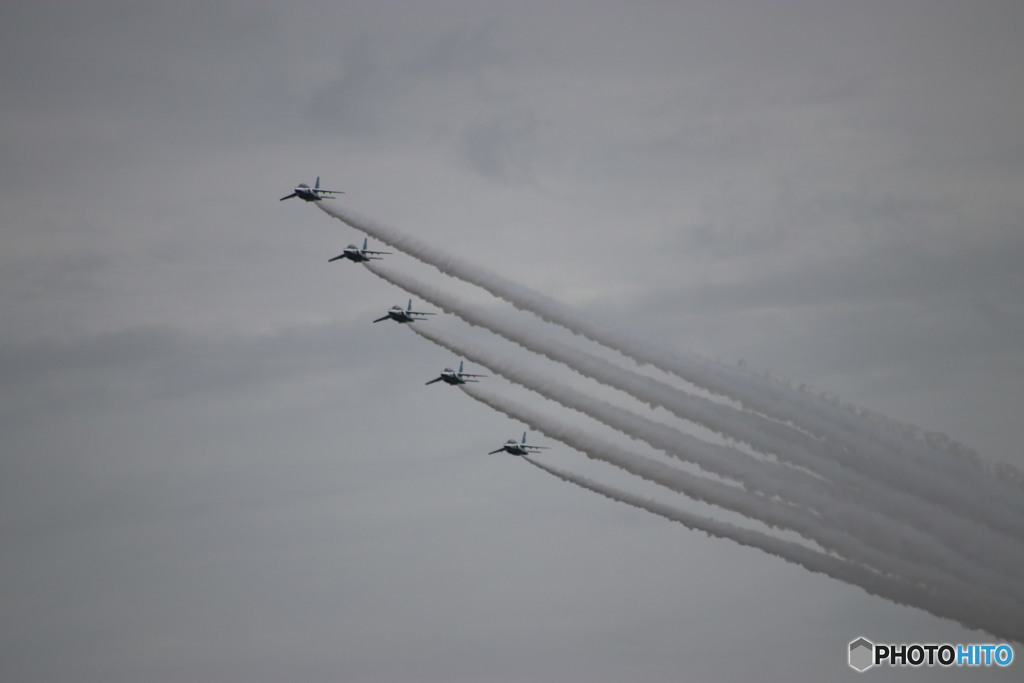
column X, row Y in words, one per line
column 311, row 194
column 516, row 448
column 353, row 254
column 400, row 316
column 403, row 315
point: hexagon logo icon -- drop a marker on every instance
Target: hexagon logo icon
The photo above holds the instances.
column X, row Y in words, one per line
column 862, row 653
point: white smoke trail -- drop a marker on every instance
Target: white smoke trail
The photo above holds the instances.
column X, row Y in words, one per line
column 724, row 461
column 891, row 588
column 928, row 468
column 763, row 434
column 989, row 592
column 856, row 532
column 875, row 446
column 974, row 550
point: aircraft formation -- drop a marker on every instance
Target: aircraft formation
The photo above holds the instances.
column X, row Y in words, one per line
column 850, row 482
column 405, row 315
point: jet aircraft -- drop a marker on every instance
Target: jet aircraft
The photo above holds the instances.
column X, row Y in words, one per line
column 519, row 447
column 452, row 377
column 311, row 194
column 403, row 315
column 354, row 253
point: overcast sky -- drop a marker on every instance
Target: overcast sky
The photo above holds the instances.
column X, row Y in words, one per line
column 214, row 467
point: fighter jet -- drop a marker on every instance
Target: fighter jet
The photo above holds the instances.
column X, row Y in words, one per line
column 452, row 377
column 311, row 194
column 354, row 253
column 519, row 447
column 403, row 315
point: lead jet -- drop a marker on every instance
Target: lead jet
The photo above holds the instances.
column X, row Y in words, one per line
column 311, row 194
column 452, row 377
column 403, row 315
column 519, row 447
column 354, row 253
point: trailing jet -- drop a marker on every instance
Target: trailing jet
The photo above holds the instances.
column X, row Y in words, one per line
column 403, row 315
column 452, row 377
column 519, row 447
column 354, row 253
column 311, row 194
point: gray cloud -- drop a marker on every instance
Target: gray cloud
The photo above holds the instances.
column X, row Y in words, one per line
column 215, row 467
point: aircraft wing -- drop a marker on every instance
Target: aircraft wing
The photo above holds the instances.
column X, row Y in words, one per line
column 467, row 374
column 420, row 313
column 434, row 380
column 384, row 318
column 368, row 251
column 339, row 256
column 497, row 451
column 293, row 194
